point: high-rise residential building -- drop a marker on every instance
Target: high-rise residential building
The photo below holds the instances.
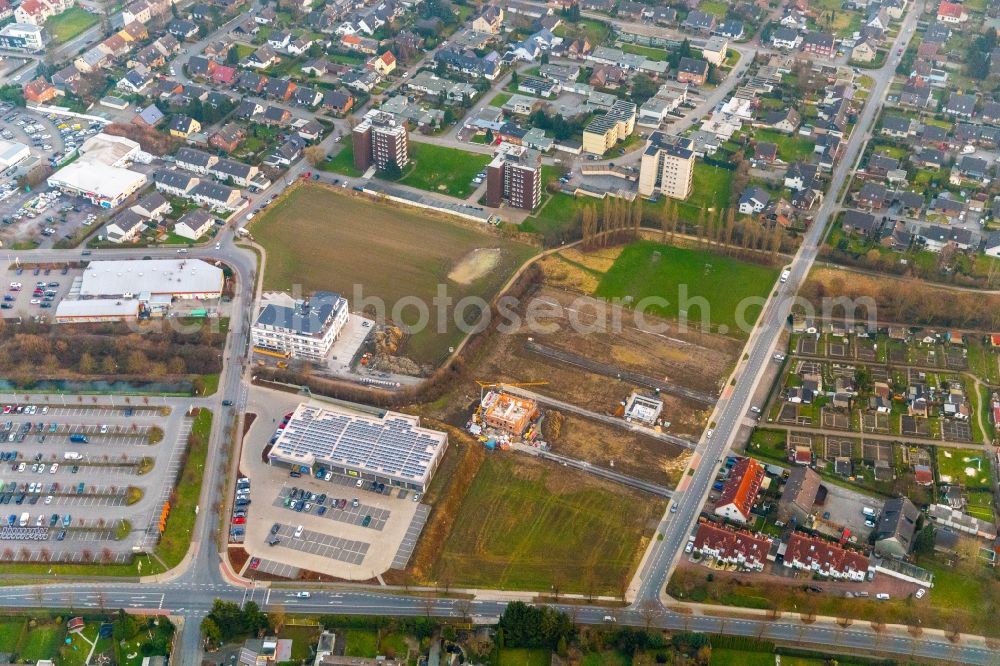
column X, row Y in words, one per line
column 514, row 176
column 667, row 166
column 380, row 140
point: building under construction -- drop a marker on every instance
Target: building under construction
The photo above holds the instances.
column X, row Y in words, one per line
column 508, row 413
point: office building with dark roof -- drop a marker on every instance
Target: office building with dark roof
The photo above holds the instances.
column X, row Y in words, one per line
column 305, row 329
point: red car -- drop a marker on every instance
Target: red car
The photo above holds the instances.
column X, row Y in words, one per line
column 239, row 520
column 254, row 563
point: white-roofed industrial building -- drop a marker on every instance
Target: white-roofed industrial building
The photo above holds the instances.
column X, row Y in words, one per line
column 12, row 152
column 114, row 151
column 99, row 174
column 179, row 278
column 96, row 310
column 392, row 448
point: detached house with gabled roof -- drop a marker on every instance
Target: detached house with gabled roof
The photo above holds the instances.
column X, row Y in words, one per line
column 740, row 491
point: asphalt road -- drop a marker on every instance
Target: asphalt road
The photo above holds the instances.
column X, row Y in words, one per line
column 729, row 411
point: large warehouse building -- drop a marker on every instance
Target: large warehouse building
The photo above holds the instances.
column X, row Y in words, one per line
column 392, row 449
column 178, row 278
column 99, row 174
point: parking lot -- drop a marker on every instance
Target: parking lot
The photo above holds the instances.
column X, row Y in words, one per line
column 36, row 291
column 87, row 481
column 43, row 216
column 344, row 541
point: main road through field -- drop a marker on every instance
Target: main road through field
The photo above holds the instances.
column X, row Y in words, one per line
column 689, row 497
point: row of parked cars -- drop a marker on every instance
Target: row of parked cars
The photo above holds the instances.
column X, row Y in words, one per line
column 239, row 518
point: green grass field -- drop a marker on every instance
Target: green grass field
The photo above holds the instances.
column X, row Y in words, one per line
column 445, row 170
column 701, row 285
column 730, row 657
column 526, row 524
column 42, row 642
column 658, row 55
column 710, row 190
column 361, row 643
column 558, row 217
column 69, row 24
column 966, row 466
column 791, row 148
column 322, row 238
column 524, row 657
column 10, row 633
column 342, row 162
column 595, row 31
column 500, row 99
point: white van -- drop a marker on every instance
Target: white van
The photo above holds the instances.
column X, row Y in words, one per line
column 71, row 455
column 785, row 274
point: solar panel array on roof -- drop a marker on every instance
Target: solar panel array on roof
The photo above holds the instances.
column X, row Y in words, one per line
column 394, row 445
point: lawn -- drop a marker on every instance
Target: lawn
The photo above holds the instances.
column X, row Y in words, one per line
column 966, row 466
column 524, row 657
column 322, row 238
column 42, row 642
column 525, row 524
column 180, row 523
column 500, row 99
column 10, row 633
column 69, row 24
column 303, row 637
column 710, row 191
column 342, row 162
column 361, row 643
column 655, row 54
column 445, row 170
column 606, row 658
column 980, row 505
column 731, row 657
column 705, row 287
column 557, row 219
column 715, row 8
column 791, row 148
column 595, row 31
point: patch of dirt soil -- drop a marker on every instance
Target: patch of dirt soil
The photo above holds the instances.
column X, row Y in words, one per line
column 475, row 265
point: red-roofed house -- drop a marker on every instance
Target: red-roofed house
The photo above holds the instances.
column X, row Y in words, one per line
column 922, row 475
column 825, row 558
column 384, row 64
column 40, row 91
column 223, row 75
column 951, row 12
column 6, row 11
column 740, row 490
column 995, row 339
column 744, row 549
column 36, row 12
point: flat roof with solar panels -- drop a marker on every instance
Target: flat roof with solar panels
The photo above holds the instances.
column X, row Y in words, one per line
column 391, row 448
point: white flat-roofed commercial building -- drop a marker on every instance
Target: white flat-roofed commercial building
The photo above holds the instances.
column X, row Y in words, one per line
column 12, row 152
column 96, row 310
column 105, row 186
column 306, row 329
column 115, row 151
column 391, row 449
column 180, row 278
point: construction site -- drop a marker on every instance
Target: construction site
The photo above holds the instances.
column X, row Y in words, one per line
column 624, row 398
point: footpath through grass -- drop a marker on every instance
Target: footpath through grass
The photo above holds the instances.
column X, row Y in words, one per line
column 702, row 286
